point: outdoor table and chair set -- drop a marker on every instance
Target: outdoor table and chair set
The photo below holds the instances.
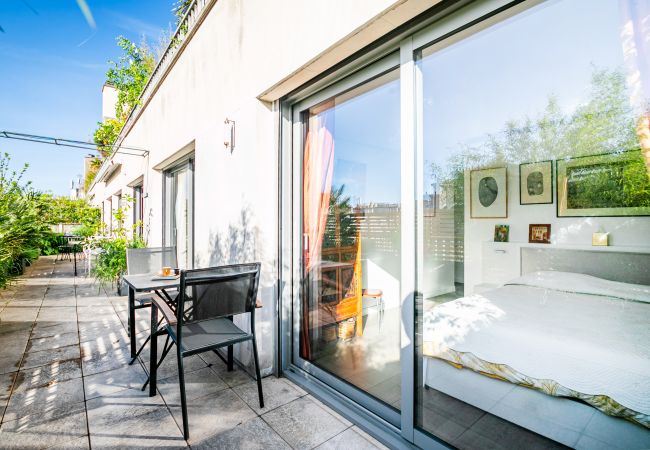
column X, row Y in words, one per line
column 193, row 308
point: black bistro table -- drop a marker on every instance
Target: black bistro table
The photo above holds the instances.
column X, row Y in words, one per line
column 146, row 283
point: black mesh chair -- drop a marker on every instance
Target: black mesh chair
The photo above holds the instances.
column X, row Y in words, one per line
column 145, row 261
column 207, row 301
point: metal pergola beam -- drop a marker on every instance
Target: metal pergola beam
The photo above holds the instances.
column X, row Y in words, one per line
column 90, row 146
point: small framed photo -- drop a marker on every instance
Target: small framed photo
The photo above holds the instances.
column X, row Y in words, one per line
column 501, row 233
column 536, row 183
column 539, row 233
column 489, row 193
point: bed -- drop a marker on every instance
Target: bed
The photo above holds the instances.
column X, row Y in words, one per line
column 565, row 334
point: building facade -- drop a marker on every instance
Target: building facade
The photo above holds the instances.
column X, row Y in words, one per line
column 422, row 182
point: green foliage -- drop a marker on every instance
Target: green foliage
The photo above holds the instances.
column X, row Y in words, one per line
column 111, row 262
column 66, row 210
column 180, row 8
column 22, row 225
column 130, row 75
column 106, row 134
column 340, row 228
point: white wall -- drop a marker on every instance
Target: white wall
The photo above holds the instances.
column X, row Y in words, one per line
column 242, row 49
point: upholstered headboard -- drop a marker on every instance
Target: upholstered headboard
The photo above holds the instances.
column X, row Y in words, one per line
column 627, row 267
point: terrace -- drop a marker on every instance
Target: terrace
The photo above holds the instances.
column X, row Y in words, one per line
column 65, row 381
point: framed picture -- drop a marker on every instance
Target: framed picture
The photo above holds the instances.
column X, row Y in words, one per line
column 489, row 193
column 539, row 233
column 612, row 184
column 536, row 183
column 501, row 233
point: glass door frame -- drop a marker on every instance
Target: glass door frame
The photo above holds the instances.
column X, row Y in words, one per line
column 398, row 52
column 168, row 209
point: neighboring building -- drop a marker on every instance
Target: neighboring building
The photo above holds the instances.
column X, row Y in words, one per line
column 364, row 152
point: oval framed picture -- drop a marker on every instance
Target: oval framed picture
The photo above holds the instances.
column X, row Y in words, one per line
column 536, row 183
column 489, row 193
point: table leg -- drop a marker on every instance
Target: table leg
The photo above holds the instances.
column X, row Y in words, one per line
column 153, row 349
column 74, row 253
column 230, row 358
column 132, row 321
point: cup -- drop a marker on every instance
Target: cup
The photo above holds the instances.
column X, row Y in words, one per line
column 166, row 271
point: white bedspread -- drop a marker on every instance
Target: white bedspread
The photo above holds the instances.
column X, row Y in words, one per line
column 584, row 333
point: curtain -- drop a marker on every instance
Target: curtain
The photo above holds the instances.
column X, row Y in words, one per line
column 318, row 169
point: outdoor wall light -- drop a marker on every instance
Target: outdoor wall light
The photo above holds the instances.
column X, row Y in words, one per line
column 229, row 134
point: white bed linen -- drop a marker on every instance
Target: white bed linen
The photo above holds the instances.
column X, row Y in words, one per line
column 587, row 334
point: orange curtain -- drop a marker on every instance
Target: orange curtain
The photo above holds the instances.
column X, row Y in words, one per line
column 318, row 169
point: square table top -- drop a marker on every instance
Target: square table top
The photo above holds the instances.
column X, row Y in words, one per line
column 144, row 282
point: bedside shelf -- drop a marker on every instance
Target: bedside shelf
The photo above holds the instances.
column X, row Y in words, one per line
column 609, row 248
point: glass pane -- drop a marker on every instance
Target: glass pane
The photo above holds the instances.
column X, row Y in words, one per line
column 181, row 218
column 350, row 323
column 533, row 306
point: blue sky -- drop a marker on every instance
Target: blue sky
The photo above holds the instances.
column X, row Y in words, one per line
column 52, row 67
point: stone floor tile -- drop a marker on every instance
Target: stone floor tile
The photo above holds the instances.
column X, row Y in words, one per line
column 254, row 434
column 53, row 329
column 35, row 359
column 349, row 439
column 169, row 367
column 57, row 314
column 213, row 415
column 234, row 378
column 56, row 398
column 303, row 423
column 6, row 383
column 10, row 362
column 44, row 431
column 198, row 383
column 52, row 342
column 47, row 375
column 112, row 381
column 19, row 314
column 132, row 419
column 277, row 392
column 105, row 359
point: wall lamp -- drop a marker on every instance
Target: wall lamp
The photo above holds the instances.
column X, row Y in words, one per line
column 229, row 134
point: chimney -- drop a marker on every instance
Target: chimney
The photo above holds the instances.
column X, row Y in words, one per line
column 109, row 100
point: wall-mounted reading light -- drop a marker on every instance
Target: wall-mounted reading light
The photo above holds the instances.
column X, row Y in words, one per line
column 229, row 134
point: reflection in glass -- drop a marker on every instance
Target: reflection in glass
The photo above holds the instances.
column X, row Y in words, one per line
column 527, row 344
column 350, row 319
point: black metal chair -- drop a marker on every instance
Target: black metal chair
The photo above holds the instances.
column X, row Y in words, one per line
column 203, row 321
column 144, row 261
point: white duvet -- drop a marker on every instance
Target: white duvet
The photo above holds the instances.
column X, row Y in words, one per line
column 564, row 333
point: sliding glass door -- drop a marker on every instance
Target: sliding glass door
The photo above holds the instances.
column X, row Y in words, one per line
column 472, row 258
column 179, row 217
column 349, row 325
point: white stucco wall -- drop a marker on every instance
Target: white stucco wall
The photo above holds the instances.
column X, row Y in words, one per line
column 242, row 49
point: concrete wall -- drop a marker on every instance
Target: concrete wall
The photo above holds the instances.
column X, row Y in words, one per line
column 241, row 50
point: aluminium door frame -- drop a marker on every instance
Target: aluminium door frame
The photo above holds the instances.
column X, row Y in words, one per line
column 442, row 25
column 186, row 163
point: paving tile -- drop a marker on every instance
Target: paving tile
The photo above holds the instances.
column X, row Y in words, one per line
column 57, row 314
column 254, row 434
column 213, row 415
column 35, row 359
column 277, row 392
column 349, row 439
column 47, row 375
column 198, row 383
column 6, row 382
column 44, row 430
column 132, row 419
column 10, row 362
column 112, row 381
column 52, row 342
column 303, row 423
column 169, row 367
column 56, row 398
column 44, row 329
column 234, row 378
column 105, row 359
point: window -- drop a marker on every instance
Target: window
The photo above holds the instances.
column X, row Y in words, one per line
column 178, row 211
column 138, row 210
column 529, row 146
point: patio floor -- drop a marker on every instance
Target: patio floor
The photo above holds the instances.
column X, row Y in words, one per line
column 65, row 382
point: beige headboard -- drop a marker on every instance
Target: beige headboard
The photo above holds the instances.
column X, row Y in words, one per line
column 627, row 267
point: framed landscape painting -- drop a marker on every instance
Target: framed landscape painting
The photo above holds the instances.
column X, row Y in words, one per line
column 536, row 183
column 489, row 193
column 612, row 184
